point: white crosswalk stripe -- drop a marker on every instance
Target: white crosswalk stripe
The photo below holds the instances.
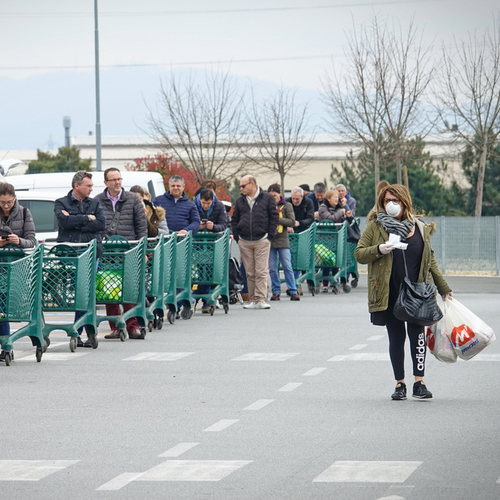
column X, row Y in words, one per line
column 31, row 470
column 266, row 356
column 367, row 472
column 158, row 356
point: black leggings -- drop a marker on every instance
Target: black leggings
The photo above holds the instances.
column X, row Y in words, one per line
column 397, row 337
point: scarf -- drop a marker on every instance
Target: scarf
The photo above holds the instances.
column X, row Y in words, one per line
column 392, row 225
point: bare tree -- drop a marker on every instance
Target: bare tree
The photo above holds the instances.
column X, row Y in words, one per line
column 278, row 129
column 201, row 124
column 353, row 95
column 470, row 90
column 403, row 85
column 376, row 99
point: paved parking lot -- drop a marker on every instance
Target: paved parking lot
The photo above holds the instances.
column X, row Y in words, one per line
column 289, row 403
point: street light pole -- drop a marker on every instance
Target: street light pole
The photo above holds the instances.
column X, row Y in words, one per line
column 97, row 98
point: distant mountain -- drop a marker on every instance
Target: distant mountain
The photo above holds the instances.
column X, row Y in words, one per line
column 33, row 108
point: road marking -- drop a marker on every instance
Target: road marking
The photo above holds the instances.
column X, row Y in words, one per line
column 313, row 372
column 375, row 337
column 266, row 356
column 120, row 481
column 259, row 404
column 357, row 347
column 193, row 470
column 362, row 356
column 31, row 470
column 178, row 450
column 220, row 425
column 159, row 356
column 367, row 472
column 290, row 387
column 55, row 356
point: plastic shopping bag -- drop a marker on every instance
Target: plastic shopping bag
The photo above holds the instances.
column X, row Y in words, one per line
column 324, row 257
column 439, row 343
column 469, row 335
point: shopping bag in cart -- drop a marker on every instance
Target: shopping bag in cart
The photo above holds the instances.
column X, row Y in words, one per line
column 109, row 285
column 324, row 257
column 439, row 343
column 469, row 335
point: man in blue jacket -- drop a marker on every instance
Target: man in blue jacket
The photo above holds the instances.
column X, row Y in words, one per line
column 181, row 213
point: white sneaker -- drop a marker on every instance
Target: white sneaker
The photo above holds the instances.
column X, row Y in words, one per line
column 251, row 305
column 262, row 305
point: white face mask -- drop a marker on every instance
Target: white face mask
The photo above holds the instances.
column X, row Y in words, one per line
column 393, row 209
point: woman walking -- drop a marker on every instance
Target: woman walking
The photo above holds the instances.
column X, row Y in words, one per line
column 386, row 270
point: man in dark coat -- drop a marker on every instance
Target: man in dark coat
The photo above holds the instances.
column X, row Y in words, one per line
column 303, row 209
column 254, row 223
column 317, row 197
column 213, row 214
column 124, row 216
column 214, row 218
column 81, row 220
column 181, row 213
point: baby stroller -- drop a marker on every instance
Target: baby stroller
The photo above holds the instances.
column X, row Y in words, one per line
column 235, row 282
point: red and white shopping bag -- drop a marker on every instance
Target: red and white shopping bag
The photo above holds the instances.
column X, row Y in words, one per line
column 469, row 335
column 439, row 343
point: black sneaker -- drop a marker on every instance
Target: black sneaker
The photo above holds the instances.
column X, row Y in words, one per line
column 79, row 342
column 420, row 391
column 400, row 392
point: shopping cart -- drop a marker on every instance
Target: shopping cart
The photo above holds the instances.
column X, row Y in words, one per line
column 20, row 292
column 331, row 240
column 183, row 275
column 302, row 250
column 120, row 280
column 68, row 284
column 210, row 267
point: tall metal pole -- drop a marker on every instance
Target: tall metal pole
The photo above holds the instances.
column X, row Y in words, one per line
column 97, row 98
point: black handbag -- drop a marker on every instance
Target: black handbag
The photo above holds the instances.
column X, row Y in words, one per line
column 353, row 232
column 416, row 302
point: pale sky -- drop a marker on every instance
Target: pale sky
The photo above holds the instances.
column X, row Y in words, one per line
column 280, row 41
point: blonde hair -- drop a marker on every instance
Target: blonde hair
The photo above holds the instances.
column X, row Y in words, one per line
column 401, row 192
column 331, row 193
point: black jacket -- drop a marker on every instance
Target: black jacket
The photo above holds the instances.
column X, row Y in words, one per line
column 216, row 214
column 77, row 228
column 304, row 213
column 253, row 225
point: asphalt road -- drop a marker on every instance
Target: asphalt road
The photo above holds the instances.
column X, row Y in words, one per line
column 287, row 403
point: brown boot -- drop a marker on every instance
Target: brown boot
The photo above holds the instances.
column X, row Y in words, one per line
column 245, row 297
column 275, row 296
column 295, row 296
column 299, row 290
column 135, row 334
column 115, row 334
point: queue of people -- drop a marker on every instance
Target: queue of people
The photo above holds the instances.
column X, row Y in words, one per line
column 261, row 223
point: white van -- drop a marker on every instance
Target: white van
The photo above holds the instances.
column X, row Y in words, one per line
column 38, row 192
column 60, row 183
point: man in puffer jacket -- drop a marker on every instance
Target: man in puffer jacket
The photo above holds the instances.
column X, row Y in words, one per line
column 124, row 216
column 255, row 222
column 181, row 213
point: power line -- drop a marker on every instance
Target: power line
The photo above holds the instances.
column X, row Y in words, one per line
column 36, row 15
column 191, row 63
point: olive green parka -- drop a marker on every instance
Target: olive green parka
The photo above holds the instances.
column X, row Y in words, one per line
column 380, row 266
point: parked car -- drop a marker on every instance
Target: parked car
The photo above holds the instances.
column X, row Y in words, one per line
column 60, row 182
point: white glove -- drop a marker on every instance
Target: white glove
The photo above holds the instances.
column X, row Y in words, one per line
column 386, row 248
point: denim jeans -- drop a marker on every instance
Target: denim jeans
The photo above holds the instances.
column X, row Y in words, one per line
column 286, row 263
column 4, row 328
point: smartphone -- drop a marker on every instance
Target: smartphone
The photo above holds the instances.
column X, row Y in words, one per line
column 204, row 220
column 5, row 237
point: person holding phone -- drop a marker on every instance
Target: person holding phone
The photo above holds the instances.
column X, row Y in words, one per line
column 16, row 228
